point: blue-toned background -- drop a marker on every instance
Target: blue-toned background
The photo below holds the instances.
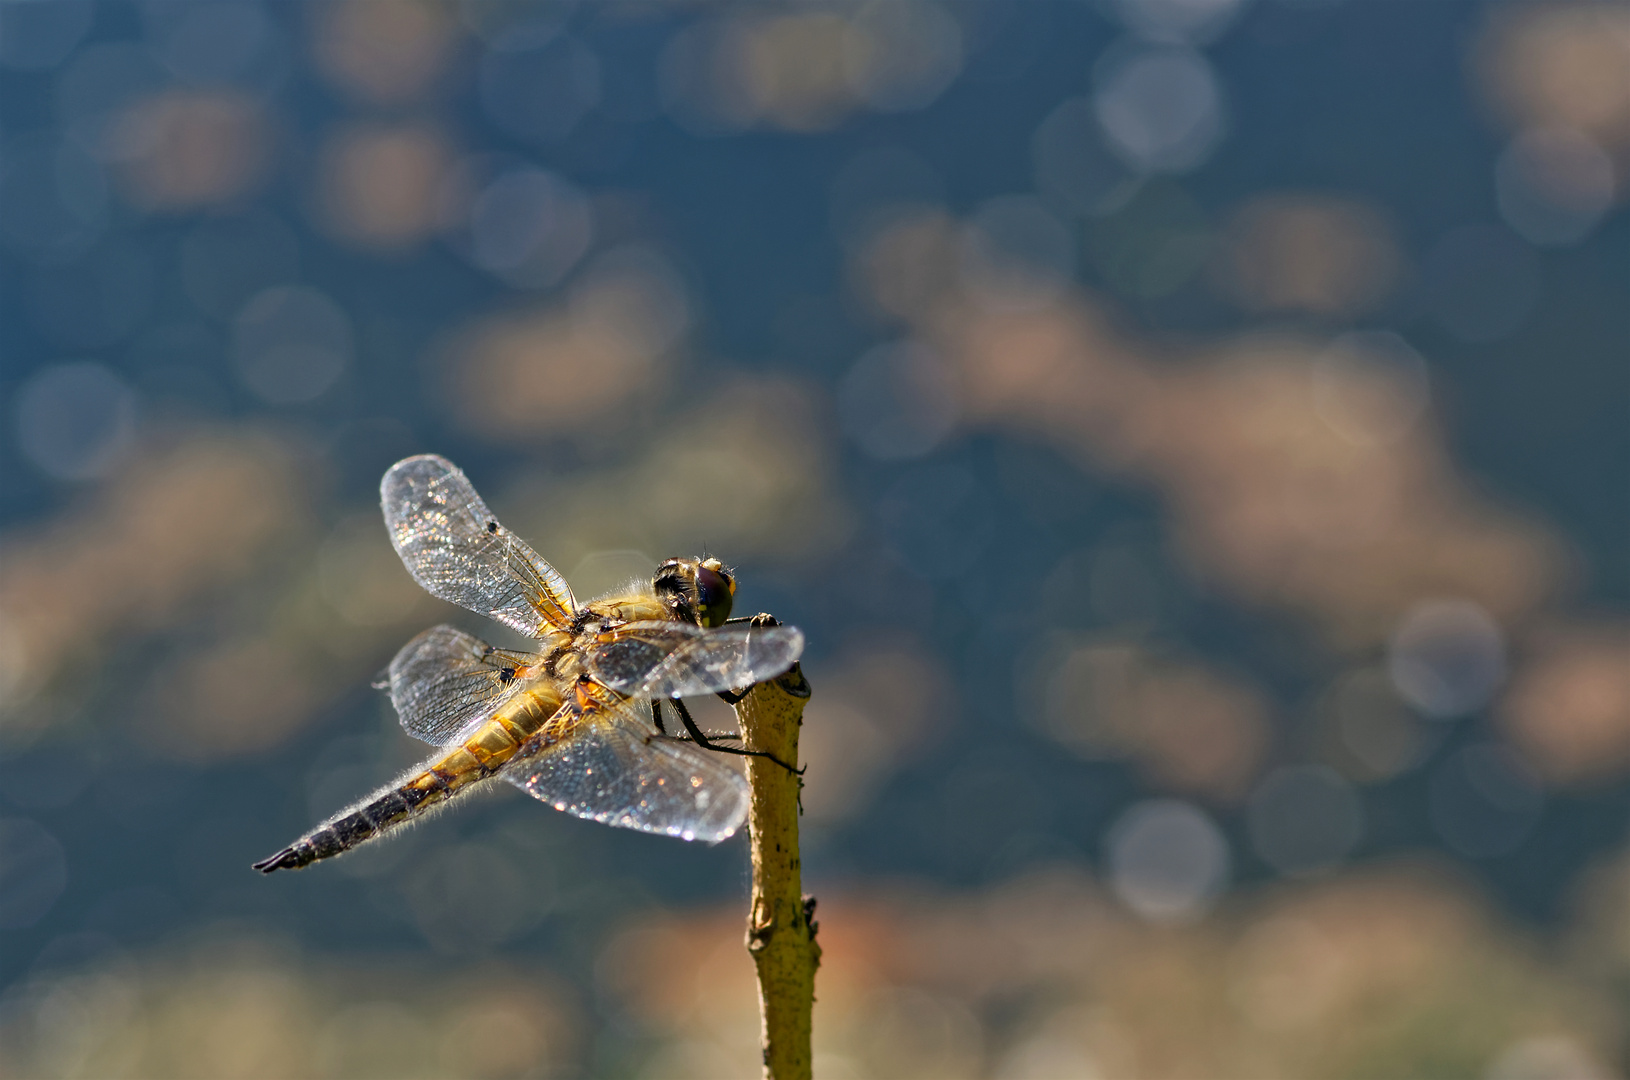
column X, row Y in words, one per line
column 1191, row 433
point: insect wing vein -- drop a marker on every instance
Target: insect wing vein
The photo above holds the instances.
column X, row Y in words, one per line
column 445, row 681
column 608, row 765
column 655, row 659
column 455, row 548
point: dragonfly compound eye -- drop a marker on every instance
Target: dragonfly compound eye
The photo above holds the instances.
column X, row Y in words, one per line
column 714, row 591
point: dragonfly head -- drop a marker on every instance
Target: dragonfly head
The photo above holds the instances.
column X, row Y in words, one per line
column 695, row 590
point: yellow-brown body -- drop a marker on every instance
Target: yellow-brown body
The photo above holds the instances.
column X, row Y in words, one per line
column 564, row 723
column 478, row 756
column 555, row 679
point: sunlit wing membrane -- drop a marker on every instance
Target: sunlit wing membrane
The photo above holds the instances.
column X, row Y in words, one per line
column 456, row 549
column 663, row 659
column 612, row 767
column 445, row 681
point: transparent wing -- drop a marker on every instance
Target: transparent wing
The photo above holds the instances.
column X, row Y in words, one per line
column 608, row 764
column 444, row 681
column 672, row 659
column 455, row 548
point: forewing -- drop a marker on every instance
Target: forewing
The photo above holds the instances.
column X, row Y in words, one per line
column 609, row 765
column 633, row 652
column 672, row 659
column 456, row 549
column 444, row 681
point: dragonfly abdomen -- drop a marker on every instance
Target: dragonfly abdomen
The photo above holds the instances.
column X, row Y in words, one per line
column 482, row 753
column 386, row 808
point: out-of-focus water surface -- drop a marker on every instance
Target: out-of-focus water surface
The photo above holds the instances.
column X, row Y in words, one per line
column 1192, row 435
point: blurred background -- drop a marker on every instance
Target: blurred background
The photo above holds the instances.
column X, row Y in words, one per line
column 1192, row 434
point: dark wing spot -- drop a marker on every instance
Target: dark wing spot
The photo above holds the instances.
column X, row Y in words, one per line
column 506, row 676
column 492, row 526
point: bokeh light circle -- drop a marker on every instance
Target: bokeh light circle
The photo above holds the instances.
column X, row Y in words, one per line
column 897, row 401
column 1554, row 186
column 290, row 343
column 1484, row 800
column 1447, row 657
column 1162, row 109
column 1167, row 860
column 1304, row 819
column 75, row 421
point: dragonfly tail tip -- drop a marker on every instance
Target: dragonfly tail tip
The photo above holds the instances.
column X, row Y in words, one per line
column 283, row 858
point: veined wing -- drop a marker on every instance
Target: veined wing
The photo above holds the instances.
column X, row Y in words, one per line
column 455, row 548
column 674, row 659
column 608, row 764
column 445, row 681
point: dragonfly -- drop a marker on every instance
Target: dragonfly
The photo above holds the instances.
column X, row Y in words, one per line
column 576, row 721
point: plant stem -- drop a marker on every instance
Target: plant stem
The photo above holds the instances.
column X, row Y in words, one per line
column 780, row 924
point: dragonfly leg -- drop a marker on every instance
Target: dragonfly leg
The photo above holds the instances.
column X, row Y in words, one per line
column 701, row 739
column 730, row 697
column 662, row 729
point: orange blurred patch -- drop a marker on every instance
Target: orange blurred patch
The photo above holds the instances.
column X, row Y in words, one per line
column 184, row 149
column 1270, row 499
column 256, row 1010
column 795, row 71
column 1278, row 506
column 238, row 698
column 1190, row 727
column 1326, row 256
column 1389, row 973
column 589, row 369
column 381, row 186
column 1560, row 65
column 1569, row 706
column 384, row 51
column 810, row 71
column 905, row 271
column 177, row 524
column 542, row 375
